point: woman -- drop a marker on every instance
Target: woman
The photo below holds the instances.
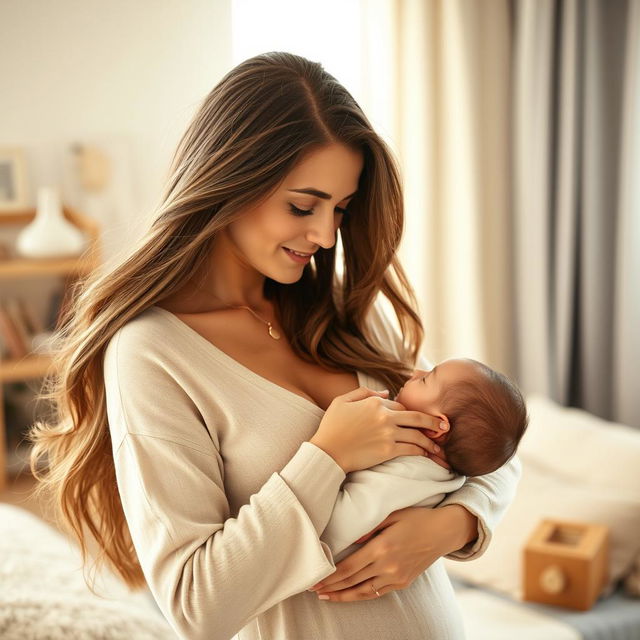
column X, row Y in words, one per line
column 198, row 437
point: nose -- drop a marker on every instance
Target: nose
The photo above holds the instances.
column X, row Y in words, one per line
column 322, row 229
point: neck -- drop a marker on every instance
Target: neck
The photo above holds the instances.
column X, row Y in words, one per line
column 227, row 278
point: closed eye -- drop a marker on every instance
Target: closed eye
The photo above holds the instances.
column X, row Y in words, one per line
column 308, row 212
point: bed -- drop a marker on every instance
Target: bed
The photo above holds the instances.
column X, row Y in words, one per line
column 490, row 615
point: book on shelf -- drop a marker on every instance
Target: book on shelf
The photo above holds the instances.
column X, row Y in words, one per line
column 22, row 332
column 14, row 334
column 14, row 307
column 31, row 319
column 59, row 303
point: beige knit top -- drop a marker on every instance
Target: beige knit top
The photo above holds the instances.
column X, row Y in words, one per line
column 226, row 499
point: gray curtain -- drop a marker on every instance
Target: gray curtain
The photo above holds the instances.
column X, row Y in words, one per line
column 576, row 202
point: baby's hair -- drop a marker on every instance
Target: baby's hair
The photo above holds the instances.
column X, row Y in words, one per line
column 488, row 417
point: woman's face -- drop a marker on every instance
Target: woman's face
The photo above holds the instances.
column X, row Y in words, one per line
column 262, row 239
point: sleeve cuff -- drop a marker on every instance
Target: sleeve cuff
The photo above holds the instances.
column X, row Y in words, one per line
column 478, row 503
column 315, row 479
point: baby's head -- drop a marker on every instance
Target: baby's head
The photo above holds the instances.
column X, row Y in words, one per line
column 485, row 413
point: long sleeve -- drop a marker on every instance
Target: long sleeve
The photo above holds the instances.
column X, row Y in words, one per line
column 201, row 564
column 368, row 496
column 487, row 497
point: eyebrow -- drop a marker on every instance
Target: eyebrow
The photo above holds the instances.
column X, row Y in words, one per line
column 320, row 194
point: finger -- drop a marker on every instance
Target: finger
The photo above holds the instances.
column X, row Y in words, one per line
column 348, row 581
column 414, row 437
column 430, row 433
column 366, row 536
column 392, row 404
column 416, row 419
column 404, row 449
column 440, row 460
column 354, row 563
column 361, row 393
column 359, row 592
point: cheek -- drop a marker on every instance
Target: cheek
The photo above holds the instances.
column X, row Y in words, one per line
column 259, row 233
column 278, row 229
column 407, row 396
column 418, row 397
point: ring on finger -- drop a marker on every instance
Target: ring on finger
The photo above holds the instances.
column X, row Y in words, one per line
column 375, row 590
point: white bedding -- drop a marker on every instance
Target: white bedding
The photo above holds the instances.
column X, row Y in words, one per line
column 488, row 617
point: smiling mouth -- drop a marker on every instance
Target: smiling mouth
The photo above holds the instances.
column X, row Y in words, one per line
column 298, row 253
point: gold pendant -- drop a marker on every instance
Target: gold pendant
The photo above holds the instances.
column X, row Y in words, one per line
column 273, row 333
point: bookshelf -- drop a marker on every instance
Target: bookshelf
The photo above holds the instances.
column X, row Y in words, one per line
column 36, row 365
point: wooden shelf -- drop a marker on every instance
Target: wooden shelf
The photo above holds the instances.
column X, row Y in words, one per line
column 34, row 365
column 24, row 267
column 29, row 267
column 37, row 365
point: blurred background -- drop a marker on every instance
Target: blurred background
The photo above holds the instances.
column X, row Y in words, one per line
column 516, row 124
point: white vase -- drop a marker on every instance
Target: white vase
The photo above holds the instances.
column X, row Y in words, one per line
column 50, row 235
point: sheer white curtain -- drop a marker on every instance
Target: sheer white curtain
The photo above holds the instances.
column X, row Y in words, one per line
column 447, row 110
column 517, row 125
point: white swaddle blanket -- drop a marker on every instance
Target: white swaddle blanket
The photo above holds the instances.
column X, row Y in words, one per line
column 368, row 496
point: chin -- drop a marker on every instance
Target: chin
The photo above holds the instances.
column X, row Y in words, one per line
column 286, row 276
column 290, row 279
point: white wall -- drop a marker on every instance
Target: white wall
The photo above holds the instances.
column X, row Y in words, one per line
column 126, row 75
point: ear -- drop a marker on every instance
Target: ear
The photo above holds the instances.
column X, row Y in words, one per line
column 443, row 436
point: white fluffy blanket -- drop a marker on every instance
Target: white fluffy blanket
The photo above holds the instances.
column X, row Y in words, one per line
column 43, row 595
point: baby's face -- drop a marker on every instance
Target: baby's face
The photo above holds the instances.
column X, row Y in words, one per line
column 423, row 391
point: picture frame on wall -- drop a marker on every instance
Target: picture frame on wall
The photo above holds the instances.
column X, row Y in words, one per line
column 13, row 179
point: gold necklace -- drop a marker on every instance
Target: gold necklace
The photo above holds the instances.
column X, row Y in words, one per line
column 273, row 332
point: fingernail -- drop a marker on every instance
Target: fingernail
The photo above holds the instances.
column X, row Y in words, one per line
column 436, row 448
column 323, row 597
column 385, row 391
column 444, row 426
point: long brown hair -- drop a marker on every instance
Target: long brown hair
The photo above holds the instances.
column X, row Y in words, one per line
column 247, row 135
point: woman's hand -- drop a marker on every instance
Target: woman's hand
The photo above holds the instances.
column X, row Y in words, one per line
column 410, row 541
column 361, row 429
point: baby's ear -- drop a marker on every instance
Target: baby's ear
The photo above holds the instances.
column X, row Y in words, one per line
column 441, row 438
column 443, row 431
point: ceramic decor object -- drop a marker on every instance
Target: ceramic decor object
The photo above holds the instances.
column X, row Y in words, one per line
column 50, row 234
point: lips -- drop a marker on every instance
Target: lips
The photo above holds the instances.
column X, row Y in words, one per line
column 302, row 254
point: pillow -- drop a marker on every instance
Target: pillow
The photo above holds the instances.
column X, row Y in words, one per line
column 43, row 593
column 574, row 467
column 578, row 446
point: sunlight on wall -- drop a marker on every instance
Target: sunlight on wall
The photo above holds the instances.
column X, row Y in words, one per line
column 331, row 35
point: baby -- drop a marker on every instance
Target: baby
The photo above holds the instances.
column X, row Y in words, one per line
column 484, row 416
